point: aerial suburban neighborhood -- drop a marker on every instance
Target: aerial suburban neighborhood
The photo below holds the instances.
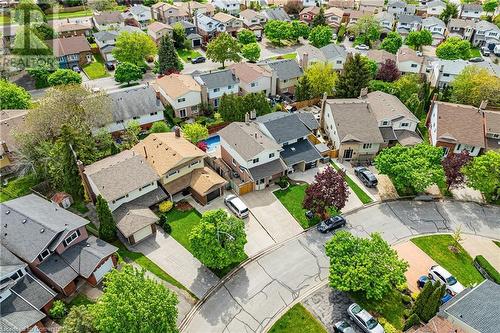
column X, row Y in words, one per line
column 282, row 166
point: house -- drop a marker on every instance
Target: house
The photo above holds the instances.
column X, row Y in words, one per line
column 108, row 20
column 333, row 54
column 285, row 74
column 189, row 28
column 71, row 51
column 208, row 27
column 136, row 224
column 308, row 13
column 25, row 300
column 492, row 129
column 231, row 7
column 343, row 4
column 396, row 123
column 397, row 7
column 138, row 103
column 72, row 29
column 232, row 24
column 252, row 78
column 334, row 16
column 10, row 121
column 408, row 61
column 374, row 6
column 180, row 167
column 471, row 11
column 486, row 34
column 105, row 40
column 140, row 15
column 386, row 22
column 254, row 21
column 193, row 7
column 443, row 72
column 456, row 127
column 54, row 243
column 182, row 93
column 252, row 156
column 407, row 23
column 435, row 7
column 275, row 14
column 460, row 28
column 215, row 84
column 354, row 15
column 157, row 30
column 380, row 56
column 191, row 33
column 475, row 309
column 168, row 13
column 436, row 27
column 352, row 128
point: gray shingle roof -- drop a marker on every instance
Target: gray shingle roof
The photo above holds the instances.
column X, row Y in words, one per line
column 388, row 107
column 286, row 128
column 432, row 20
column 286, row 69
column 57, row 270
column 108, row 17
column 18, row 314
column 33, row 290
column 267, row 170
column 276, row 14
column 46, row 223
column 219, row 79
column 134, row 102
column 136, row 219
column 301, row 151
column 333, row 51
column 187, row 24
column 8, row 262
column 308, row 119
column 403, row 18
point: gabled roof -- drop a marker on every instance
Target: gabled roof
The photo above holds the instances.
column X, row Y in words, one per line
column 9, row 263
column 380, row 56
column 286, row 69
column 223, row 17
column 492, row 121
column 65, row 27
column 158, row 26
column 177, row 85
column 472, row 7
column 404, row 18
column 11, row 121
column 300, row 151
column 108, row 17
column 69, row 45
column 204, row 21
column 139, row 9
column 136, row 219
column 372, row 3
column 18, row 315
column 134, row 101
column 247, row 72
column 384, row 16
column 268, row 169
column 436, row 3
column 217, row 79
column 431, row 21
column 407, row 54
column 186, row 24
column 460, row 23
column 334, row 11
column 485, row 25
column 388, row 107
column 310, row 10
column 286, row 128
column 334, row 51
column 276, row 14
column 249, row 14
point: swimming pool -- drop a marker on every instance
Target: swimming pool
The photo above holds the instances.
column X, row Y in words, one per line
column 212, row 143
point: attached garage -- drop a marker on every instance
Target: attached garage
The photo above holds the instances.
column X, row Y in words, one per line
column 311, row 165
column 137, row 224
column 213, row 195
column 103, row 269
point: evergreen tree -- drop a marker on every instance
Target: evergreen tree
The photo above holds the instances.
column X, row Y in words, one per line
column 319, row 19
column 432, row 305
column 303, row 89
column 72, row 182
column 167, row 57
column 355, row 76
column 422, row 298
column 107, row 227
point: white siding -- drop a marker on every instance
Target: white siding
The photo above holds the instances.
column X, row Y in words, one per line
column 192, row 98
column 409, row 67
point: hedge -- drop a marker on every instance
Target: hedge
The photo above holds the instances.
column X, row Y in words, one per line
column 485, row 267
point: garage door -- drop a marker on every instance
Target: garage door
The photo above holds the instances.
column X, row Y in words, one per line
column 196, row 42
column 103, row 269
column 143, row 233
column 311, row 165
column 212, row 195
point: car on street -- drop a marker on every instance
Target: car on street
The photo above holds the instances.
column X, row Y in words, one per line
column 198, row 60
column 331, row 223
column 364, row 319
column 343, row 327
column 476, row 59
column 237, row 206
column 362, row 47
column 438, row 273
column 109, row 66
column 366, row 176
column 76, row 69
column 423, row 280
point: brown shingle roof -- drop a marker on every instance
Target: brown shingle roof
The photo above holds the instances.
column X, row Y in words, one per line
column 176, row 85
column 492, row 121
column 380, row 56
column 248, row 72
column 10, row 122
column 158, row 26
column 108, row 17
column 136, row 219
column 407, row 54
column 69, row 45
column 388, row 107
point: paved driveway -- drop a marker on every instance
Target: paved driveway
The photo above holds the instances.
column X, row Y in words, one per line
column 418, row 260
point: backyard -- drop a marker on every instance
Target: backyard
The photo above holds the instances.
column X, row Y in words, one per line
column 61, row 15
column 18, row 187
column 297, row 320
column 96, row 69
column 292, row 55
column 185, row 54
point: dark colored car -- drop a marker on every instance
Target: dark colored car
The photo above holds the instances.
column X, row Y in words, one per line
column 343, row 327
column 476, row 59
column 331, row 223
column 76, row 69
column 109, row 66
column 352, row 38
column 424, row 279
column 366, row 176
column 198, row 60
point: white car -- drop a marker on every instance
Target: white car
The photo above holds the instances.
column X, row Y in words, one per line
column 237, row 206
column 438, row 273
column 364, row 319
column 362, row 47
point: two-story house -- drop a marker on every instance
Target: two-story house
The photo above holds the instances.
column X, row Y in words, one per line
column 397, row 8
column 409, row 61
column 471, row 11
column 168, row 13
column 486, row 34
column 252, row 156
column 374, row 6
column 106, row 40
column 308, row 13
column 208, row 27
column 182, row 93
column 333, row 54
column 253, row 21
column 157, row 30
column 252, row 78
column 435, row 7
column 334, row 17
column 231, row 7
column 191, row 33
column 456, row 127
column 180, row 166
column 193, row 7
column 139, row 15
column 232, row 24
column 343, row 4
column 492, row 129
column 275, row 14
column 71, row 51
column 54, row 243
column 66, row 29
column 461, row 28
column 407, row 23
column 443, row 72
column 108, row 20
column 215, row 84
column 285, row 75
column 352, row 16
column 436, row 27
column 380, row 56
column 385, row 21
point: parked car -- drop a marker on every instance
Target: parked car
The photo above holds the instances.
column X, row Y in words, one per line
column 343, row 327
column 77, row 69
column 423, row 280
column 352, row 38
column 309, row 214
column 476, row 59
column 331, row 223
column 485, row 51
column 364, row 319
column 438, row 273
column 366, row 176
column 237, row 206
column 419, row 54
column 109, row 66
column 362, row 47
column 198, row 60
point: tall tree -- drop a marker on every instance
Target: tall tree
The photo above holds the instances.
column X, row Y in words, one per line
column 422, row 298
column 71, row 180
column 303, row 89
column 107, row 226
column 276, row 31
column 133, row 47
column 13, row 97
column 159, row 127
column 246, row 36
column 474, row 85
column 454, row 48
column 449, row 12
column 102, row 5
column 433, row 303
column 179, row 35
column 131, row 302
column 490, row 6
column 224, row 48
column 251, row 52
column 293, row 7
column 168, row 60
column 320, row 36
column 233, row 107
column 364, row 265
column 127, row 72
column 27, row 12
column 79, row 320
column 483, row 174
column 329, row 190
column 319, row 19
column 416, row 39
column 64, row 76
column 355, row 77
column 218, row 240
column 452, row 165
column 321, row 79
column 388, row 71
column 195, row 132
column 392, row 42
column 366, row 29
column 297, row 29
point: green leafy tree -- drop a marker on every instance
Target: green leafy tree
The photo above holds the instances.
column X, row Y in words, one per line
column 297, row 29
column 107, row 227
column 13, row 97
column 27, row 12
column 303, row 89
column 354, row 77
column 219, row 239
column 132, row 131
column 321, row 78
column 367, row 30
column 410, row 322
column 27, row 42
column 195, row 132
column 223, row 48
column 257, row 102
column 474, row 85
column 40, row 74
column 133, row 47
column 58, row 309
column 483, row 174
column 233, row 107
column 372, row 66
column 179, row 35
column 168, row 60
column 44, row 31
column 79, row 320
column 319, row 19
column 159, row 127
column 251, row 52
column 416, row 39
column 364, row 265
column 64, row 76
column 454, row 48
column 412, row 169
column 490, row 6
column 131, row 302
column 320, row 36
column 149, row 3
column 102, row 5
column 450, row 11
column 277, row 31
column 127, row 72
column 71, row 181
column 392, row 42
column 246, row 36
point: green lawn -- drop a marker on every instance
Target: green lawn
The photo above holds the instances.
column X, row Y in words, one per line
column 79, row 13
column 80, row 299
column 185, row 54
column 80, row 207
column 497, row 243
column 365, row 198
column 182, row 223
column 475, row 52
column 18, row 187
column 292, row 55
column 96, row 69
column 459, row 264
column 297, row 320
column 292, row 199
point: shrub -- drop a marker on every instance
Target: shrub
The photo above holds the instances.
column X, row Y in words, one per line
column 406, row 299
column 164, row 224
column 488, row 269
column 388, row 328
column 58, row 309
column 282, row 182
column 165, row 206
column 412, row 321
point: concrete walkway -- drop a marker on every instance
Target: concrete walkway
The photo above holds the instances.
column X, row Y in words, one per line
column 478, row 245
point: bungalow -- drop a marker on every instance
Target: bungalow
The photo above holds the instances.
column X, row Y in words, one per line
column 72, row 29
column 285, row 74
column 10, row 121
column 139, row 15
column 138, row 103
column 254, row 21
column 54, row 243
column 343, row 4
column 486, row 34
column 408, row 61
column 182, row 93
column 471, row 11
column 436, row 27
column 157, row 30
column 374, row 6
column 407, row 23
column 332, row 53
column 334, row 17
column 168, row 13
column 492, row 129
column 456, row 127
column 232, row 24
column 71, row 51
column 308, row 13
column 385, row 21
column 252, row 78
column 215, row 84
column 108, row 20
column 180, row 167
column 461, row 28
column 275, row 14
column 435, row 7
column 231, row 7
column 208, row 27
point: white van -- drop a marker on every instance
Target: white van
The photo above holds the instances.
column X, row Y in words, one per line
column 237, row 206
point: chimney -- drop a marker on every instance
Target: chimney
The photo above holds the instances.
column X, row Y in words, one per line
column 322, row 112
column 4, row 147
column 145, row 152
column 305, row 60
column 247, row 118
column 253, row 114
column 363, row 92
column 177, row 131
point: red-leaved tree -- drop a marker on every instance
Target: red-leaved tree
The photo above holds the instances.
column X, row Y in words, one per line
column 329, row 190
column 452, row 165
column 388, row 71
column 202, row 145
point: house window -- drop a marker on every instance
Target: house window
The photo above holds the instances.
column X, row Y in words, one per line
column 255, row 160
column 153, row 113
column 285, row 81
column 367, row 145
column 413, row 65
column 119, row 122
column 171, row 173
column 271, row 155
column 233, row 161
column 74, row 235
column 45, row 253
column 193, row 163
column 180, row 100
column 445, row 149
column 385, row 123
column 216, row 90
column 446, row 74
column 339, row 62
column 253, row 84
column 141, row 188
column 230, row 87
column 136, row 117
column 405, row 124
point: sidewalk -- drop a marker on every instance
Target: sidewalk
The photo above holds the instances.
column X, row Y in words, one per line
column 482, row 246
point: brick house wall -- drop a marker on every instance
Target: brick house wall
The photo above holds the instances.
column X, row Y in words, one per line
column 229, row 161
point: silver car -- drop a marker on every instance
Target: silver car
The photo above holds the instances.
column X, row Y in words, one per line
column 364, row 319
column 237, row 206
